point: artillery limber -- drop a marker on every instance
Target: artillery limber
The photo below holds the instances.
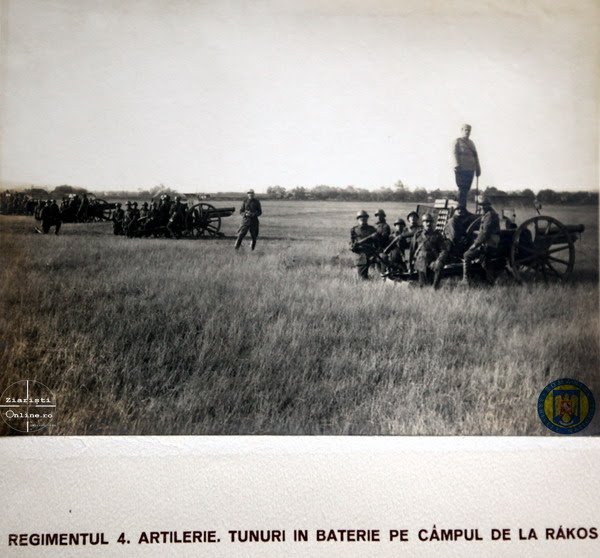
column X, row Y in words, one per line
column 540, row 248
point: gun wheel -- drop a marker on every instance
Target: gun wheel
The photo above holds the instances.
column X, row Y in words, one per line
column 203, row 221
column 542, row 249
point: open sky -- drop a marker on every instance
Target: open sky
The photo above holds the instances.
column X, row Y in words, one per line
column 208, row 95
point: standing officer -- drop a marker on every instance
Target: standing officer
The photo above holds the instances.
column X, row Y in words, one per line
column 428, row 253
column 364, row 242
column 250, row 212
column 486, row 242
column 466, row 164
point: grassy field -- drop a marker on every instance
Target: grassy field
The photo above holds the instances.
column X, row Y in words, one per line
column 157, row 336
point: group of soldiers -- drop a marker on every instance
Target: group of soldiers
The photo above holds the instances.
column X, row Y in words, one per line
column 16, row 203
column 160, row 217
column 419, row 247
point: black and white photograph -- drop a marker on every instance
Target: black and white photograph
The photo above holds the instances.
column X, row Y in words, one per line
column 299, row 278
column 298, row 218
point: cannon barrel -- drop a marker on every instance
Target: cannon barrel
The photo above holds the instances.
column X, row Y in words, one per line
column 571, row 229
column 219, row 212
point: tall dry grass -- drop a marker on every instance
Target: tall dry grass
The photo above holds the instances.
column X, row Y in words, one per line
column 156, row 336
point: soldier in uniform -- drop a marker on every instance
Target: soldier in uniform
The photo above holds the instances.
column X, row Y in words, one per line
column 456, row 230
column 117, row 218
column 486, row 242
column 164, row 210
column 250, row 211
column 82, row 213
column 364, row 242
column 51, row 217
column 395, row 248
column 466, row 163
column 177, row 218
column 384, row 232
column 428, row 253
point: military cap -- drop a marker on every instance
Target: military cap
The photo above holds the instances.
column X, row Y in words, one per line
column 145, row 204
column 380, row 212
column 400, row 222
column 362, row 213
column 251, row 191
column 412, row 214
column 117, row 205
column 127, row 203
column 427, row 217
column 134, row 203
column 485, row 202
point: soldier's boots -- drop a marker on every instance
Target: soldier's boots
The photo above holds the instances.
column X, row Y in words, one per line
column 253, row 245
column 238, row 243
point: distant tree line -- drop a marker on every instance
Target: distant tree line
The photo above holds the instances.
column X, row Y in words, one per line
column 398, row 193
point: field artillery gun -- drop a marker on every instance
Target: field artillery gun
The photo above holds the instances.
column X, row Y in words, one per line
column 203, row 220
column 193, row 220
column 540, row 248
column 74, row 209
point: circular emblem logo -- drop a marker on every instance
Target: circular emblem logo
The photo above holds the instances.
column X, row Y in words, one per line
column 566, row 406
column 27, row 406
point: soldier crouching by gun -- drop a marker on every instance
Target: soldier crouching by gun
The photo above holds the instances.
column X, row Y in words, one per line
column 393, row 253
column 428, row 253
column 485, row 244
column 364, row 242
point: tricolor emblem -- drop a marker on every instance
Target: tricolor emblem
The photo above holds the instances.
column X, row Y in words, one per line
column 566, row 406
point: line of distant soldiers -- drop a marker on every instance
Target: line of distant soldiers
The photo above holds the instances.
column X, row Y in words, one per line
column 428, row 249
column 16, row 203
column 164, row 217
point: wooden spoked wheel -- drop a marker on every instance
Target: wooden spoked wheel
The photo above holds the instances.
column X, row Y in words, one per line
column 203, row 220
column 542, row 249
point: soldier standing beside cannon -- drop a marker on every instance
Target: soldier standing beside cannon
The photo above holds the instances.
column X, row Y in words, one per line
column 117, row 218
column 364, row 242
column 250, row 211
column 384, row 232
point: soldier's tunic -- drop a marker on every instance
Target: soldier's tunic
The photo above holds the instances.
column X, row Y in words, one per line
column 487, row 238
column 428, row 253
column 51, row 218
column 383, row 233
column 250, row 211
column 407, row 235
column 117, row 218
column 366, row 250
column 466, row 165
column 177, row 219
column 396, row 252
column 456, row 232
